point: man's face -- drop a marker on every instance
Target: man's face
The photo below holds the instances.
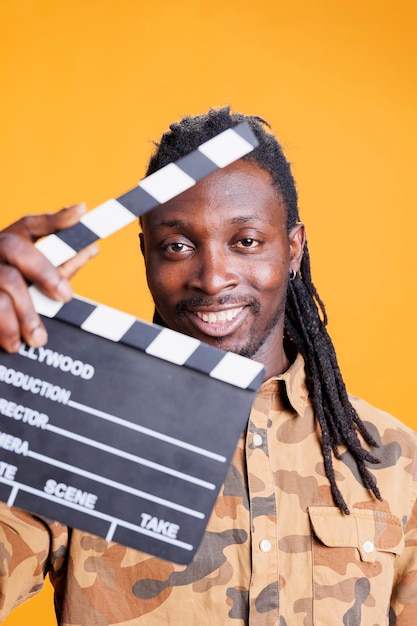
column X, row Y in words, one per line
column 217, row 262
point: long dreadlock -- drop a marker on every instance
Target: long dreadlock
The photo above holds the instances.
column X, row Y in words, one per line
column 305, row 314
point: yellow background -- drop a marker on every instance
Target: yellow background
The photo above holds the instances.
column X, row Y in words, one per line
column 86, row 85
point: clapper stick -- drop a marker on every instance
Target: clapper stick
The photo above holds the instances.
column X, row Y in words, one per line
column 159, row 187
column 126, row 430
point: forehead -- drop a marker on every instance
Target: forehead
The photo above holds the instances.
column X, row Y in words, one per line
column 241, row 189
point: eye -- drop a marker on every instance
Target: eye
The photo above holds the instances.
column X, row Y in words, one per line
column 177, row 247
column 173, row 248
column 247, row 242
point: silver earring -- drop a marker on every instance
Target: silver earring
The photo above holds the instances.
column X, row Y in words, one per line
column 293, row 273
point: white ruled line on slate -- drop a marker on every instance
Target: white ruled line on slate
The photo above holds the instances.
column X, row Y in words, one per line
column 130, row 457
column 112, row 483
column 147, row 431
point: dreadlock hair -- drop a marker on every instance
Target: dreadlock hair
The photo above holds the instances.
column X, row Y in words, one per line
column 305, row 314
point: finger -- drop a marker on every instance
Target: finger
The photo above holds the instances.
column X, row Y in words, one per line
column 24, row 257
column 17, row 250
column 22, row 262
column 71, row 267
column 35, row 226
column 18, row 317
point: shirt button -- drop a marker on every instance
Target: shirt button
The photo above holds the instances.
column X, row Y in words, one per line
column 257, row 440
column 368, row 547
column 265, row 545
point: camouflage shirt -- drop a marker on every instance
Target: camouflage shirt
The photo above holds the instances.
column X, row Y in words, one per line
column 276, row 552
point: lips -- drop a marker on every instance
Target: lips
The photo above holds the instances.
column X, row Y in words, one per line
column 215, row 324
column 217, row 317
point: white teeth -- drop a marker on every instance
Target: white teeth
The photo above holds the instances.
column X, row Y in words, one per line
column 218, row 316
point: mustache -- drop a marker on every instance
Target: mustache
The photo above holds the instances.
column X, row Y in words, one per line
column 200, row 302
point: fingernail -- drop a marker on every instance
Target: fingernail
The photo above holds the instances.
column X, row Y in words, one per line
column 63, row 290
column 38, row 337
column 82, row 207
column 14, row 347
column 93, row 250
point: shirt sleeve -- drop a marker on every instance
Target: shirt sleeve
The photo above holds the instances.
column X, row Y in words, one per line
column 404, row 596
column 30, row 547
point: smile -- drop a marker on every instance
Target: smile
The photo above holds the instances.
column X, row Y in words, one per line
column 216, row 317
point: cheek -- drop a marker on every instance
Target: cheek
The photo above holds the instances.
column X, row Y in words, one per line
column 270, row 277
column 163, row 282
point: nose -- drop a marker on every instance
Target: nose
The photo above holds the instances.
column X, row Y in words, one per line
column 214, row 272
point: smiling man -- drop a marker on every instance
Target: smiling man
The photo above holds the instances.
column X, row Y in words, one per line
column 302, row 532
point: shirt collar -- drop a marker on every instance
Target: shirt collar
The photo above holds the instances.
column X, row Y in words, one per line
column 294, row 380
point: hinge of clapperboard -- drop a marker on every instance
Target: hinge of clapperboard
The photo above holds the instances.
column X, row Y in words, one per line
column 111, row 216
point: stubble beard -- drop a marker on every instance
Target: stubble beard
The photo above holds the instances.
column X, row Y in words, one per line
column 253, row 343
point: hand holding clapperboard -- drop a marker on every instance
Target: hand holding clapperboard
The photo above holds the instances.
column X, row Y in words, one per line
column 118, row 427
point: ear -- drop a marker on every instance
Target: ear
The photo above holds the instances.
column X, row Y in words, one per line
column 142, row 244
column 297, row 238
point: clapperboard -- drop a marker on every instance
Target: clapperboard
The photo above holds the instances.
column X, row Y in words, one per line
column 119, row 427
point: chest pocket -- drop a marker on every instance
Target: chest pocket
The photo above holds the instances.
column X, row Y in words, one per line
column 353, row 565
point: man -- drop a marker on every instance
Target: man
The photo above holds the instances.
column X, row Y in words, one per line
column 302, row 532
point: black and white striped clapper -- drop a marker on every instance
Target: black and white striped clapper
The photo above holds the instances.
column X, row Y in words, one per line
column 118, row 427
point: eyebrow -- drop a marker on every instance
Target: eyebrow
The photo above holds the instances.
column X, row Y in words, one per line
column 239, row 219
column 242, row 219
column 170, row 224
